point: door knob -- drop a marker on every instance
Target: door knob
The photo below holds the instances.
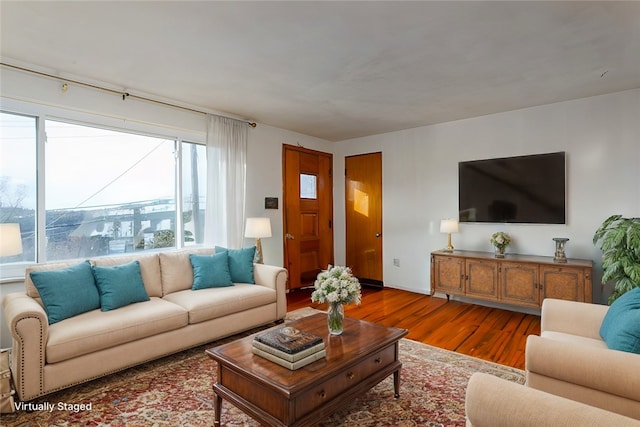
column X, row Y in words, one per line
column 289, row 236
column 378, row 234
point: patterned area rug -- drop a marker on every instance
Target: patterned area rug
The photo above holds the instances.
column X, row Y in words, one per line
column 176, row 391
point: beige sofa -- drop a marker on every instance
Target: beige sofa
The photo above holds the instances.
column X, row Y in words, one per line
column 494, row 402
column 570, row 359
column 46, row 358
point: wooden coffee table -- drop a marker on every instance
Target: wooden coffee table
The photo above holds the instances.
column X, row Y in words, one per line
column 365, row 354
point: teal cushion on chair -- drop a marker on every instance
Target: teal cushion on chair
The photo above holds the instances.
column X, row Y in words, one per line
column 210, row 271
column 620, row 327
column 66, row 292
column 240, row 263
column 120, row 285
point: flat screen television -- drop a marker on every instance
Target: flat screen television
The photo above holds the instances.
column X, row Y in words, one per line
column 524, row 189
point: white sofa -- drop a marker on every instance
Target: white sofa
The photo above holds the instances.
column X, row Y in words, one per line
column 46, row 358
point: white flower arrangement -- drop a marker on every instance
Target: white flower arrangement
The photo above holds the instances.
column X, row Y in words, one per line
column 500, row 239
column 337, row 285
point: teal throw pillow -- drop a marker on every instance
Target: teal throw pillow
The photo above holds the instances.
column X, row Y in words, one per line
column 66, row 292
column 240, row 263
column 620, row 327
column 210, row 271
column 119, row 285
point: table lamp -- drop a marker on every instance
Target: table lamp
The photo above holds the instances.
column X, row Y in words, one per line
column 448, row 226
column 10, row 239
column 258, row 228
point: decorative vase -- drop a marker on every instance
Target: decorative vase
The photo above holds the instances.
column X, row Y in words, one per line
column 559, row 255
column 335, row 318
column 500, row 252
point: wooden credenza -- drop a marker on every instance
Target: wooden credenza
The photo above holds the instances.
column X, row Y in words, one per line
column 519, row 280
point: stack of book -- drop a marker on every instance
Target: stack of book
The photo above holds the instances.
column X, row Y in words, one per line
column 289, row 347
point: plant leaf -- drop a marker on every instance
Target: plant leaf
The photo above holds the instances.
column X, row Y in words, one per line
column 601, row 231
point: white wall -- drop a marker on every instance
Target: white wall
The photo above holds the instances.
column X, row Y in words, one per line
column 264, row 179
column 601, row 136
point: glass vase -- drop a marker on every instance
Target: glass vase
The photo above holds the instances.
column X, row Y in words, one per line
column 335, row 318
column 500, row 252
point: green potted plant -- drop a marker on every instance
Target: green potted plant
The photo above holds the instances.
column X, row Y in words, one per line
column 620, row 244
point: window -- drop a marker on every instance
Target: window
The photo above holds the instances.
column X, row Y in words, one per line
column 18, row 182
column 308, row 186
column 105, row 191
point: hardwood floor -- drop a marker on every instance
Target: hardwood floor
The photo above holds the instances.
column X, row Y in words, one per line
column 486, row 333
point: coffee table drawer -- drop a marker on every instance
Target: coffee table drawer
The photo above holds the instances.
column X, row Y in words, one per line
column 351, row 377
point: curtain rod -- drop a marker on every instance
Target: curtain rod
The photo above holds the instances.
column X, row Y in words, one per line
column 124, row 95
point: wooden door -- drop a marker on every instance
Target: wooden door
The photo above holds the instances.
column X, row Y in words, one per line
column 308, row 214
column 363, row 204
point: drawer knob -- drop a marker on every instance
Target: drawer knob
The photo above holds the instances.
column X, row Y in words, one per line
column 378, row 360
column 322, row 394
column 350, row 375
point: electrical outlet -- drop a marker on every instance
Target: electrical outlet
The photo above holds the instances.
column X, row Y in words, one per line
column 396, row 262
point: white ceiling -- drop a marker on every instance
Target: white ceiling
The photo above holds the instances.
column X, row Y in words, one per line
column 336, row 70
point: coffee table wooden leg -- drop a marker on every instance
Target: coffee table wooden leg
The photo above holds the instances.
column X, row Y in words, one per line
column 396, row 383
column 217, row 408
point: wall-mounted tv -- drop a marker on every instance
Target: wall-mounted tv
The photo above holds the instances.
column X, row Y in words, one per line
column 524, row 189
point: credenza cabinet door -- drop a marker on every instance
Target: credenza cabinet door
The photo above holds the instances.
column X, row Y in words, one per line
column 448, row 275
column 519, row 284
column 564, row 283
column 482, row 279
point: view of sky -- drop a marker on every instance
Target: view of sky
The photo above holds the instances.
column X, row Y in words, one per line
column 86, row 166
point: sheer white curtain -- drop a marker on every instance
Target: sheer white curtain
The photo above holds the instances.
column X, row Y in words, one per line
column 226, row 181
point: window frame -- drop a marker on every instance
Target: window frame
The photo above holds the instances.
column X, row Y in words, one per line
column 15, row 271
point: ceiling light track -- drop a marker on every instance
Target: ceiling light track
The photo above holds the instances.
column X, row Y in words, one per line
column 125, row 95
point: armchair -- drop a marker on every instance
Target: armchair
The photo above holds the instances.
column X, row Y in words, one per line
column 494, row 402
column 569, row 359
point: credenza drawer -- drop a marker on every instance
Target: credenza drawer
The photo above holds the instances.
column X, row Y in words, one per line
column 350, row 377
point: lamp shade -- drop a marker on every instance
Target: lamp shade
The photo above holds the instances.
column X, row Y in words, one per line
column 449, row 226
column 10, row 239
column 258, row 228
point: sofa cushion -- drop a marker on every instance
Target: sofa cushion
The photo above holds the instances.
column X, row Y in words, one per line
column 210, row 271
column 176, row 270
column 149, row 269
column 240, row 263
column 97, row 330
column 119, row 285
column 620, row 327
column 66, row 292
column 212, row 303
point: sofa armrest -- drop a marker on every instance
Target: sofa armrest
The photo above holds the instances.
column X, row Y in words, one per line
column 275, row 278
column 27, row 321
column 494, row 402
column 571, row 317
column 609, row 371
